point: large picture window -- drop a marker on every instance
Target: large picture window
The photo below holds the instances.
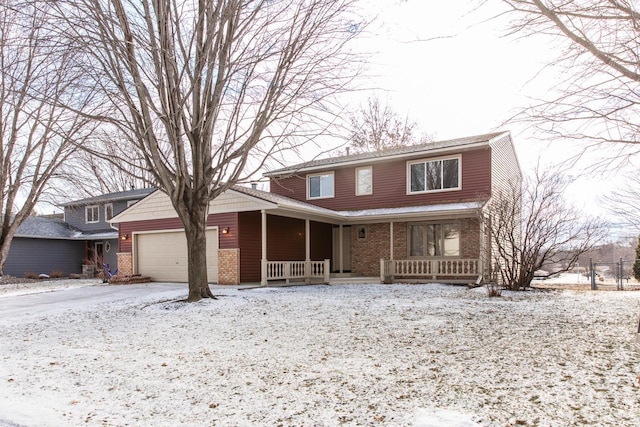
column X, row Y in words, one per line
column 320, row 186
column 434, row 175
column 434, row 240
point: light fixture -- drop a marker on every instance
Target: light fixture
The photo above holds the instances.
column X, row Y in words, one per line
column 225, row 230
column 124, row 237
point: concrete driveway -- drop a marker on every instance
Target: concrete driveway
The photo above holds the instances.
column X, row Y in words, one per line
column 19, row 308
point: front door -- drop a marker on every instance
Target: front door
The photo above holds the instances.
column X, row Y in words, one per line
column 346, row 249
column 99, row 253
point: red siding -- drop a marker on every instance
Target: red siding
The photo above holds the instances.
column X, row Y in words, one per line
column 389, row 185
column 285, row 238
column 249, row 242
column 321, row 241
column 226, row 241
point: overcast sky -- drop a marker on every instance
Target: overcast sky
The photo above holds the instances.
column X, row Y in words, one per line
column 458, row 73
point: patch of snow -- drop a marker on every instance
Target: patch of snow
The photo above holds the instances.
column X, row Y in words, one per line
column 434, row 417
column 402, row 355
column 26, row 288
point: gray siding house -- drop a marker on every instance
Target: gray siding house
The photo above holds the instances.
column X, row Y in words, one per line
column 83, row 236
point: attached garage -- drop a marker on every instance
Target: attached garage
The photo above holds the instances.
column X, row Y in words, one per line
column 163, row 255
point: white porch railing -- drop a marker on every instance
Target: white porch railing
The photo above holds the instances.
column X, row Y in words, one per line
column 287, row 270
column 438, row 268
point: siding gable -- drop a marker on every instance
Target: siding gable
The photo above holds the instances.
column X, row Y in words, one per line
column 390, row 184
column 158, row 206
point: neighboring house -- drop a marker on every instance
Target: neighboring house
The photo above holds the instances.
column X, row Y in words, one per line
column 82, row 235
column 404, row 213
column 45, row 245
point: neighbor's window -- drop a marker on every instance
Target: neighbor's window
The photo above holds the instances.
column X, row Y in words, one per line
column 108, row 212
column 434, row 240
column 364, row 181
column 434, row 175
column 320, row 186
column 91, row 214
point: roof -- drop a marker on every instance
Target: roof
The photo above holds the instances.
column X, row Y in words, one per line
column 405, row 151
column 48, row 228
column 41, row 227
column 288, row 204
column 113, row 197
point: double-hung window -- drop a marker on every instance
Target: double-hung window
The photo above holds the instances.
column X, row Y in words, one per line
column 91, row 214
column 320, row 186
column 364, row 181
column 108, row 211
column 434, row 240
column 434, row 175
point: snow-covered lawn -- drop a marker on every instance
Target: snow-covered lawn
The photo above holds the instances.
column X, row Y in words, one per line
column 422, row 355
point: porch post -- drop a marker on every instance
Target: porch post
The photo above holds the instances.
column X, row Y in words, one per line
column 391, row 240
column 340, row 254
column 263, row 264
column 307, row 260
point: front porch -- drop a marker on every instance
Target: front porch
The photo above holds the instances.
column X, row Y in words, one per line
column 428, row 271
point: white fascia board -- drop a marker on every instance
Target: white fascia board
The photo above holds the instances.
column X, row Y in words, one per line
column 454, row 210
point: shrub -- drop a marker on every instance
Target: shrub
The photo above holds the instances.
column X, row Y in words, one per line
column 31, row 275
column 493, row 290
column 56, row 274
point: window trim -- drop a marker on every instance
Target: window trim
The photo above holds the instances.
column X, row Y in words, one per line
column 457, row 157
column 358, row 193
column 333, row 185
column 442, row 225
column 106, row 217
column 86, row 214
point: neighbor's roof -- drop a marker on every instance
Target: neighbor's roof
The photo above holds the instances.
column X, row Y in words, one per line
column 47, row 228
column 39, row 227
column 458, row 143
column 113, row 197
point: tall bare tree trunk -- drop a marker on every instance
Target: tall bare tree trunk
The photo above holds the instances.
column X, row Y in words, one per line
column 196, row 233
column 210, row 91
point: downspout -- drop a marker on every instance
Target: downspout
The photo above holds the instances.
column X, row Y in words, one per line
column 307, row 249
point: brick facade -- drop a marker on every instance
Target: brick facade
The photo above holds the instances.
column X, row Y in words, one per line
column 229, row 266
column 366, row 252
column 470, row 238
column 125, row 263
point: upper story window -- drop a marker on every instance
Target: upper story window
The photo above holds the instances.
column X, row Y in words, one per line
column 320, row 186
column 434, row 175
column 364, row 181
column 434, row 240
column 91, row 214
column 108, row 211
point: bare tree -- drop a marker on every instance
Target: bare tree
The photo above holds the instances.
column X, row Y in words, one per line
column 623, row 202
column 597, row 43
column 377, row 126
column 99, row 168
column 208, row 91
column 38, row 132
column 533, row 225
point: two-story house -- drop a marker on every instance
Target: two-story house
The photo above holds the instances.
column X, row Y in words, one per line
column 404, row 213
column 81, row 235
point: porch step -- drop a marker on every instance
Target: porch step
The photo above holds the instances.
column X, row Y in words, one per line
column 353, row 280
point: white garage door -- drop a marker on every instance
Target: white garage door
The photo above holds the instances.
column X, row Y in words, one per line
column 163, row 256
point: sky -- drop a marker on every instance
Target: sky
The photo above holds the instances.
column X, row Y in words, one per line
column 457, row 72
column 454, row 70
